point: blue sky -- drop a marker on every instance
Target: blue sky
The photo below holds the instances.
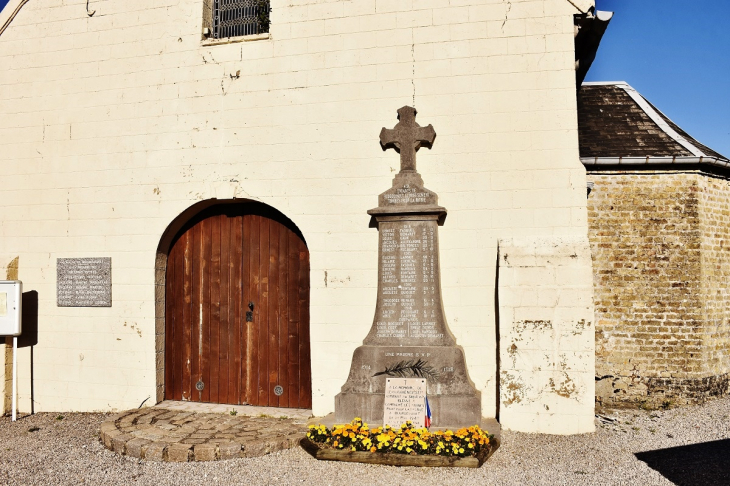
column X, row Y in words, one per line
column 676, row 53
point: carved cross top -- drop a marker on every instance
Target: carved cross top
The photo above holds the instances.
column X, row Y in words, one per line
column 407, row 137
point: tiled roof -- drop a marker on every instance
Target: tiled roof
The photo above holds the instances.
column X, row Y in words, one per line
column 616, row 125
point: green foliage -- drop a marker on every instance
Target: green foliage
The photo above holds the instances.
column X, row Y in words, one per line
column 408, row 369
column 263, row 15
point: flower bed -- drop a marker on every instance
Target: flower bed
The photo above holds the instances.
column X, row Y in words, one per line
column 407, row 445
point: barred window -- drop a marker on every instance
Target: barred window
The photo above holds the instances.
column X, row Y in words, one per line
column 233, row 18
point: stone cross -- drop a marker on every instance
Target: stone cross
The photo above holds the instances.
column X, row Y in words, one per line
column 407, row 137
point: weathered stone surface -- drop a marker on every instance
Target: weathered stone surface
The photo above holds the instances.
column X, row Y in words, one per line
column 107, row 437
column 84, row 282
column 196, row 439
column 119, row 442
column 229, row 450
column 409, row 336
column 546, row 338
column 192, row 441
column 407, row 137
column 179, row 452
column 157, row 451
column 205, row 452
column 256, row 448
column 134, row 447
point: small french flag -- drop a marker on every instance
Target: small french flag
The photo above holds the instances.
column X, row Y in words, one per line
column 427, row 421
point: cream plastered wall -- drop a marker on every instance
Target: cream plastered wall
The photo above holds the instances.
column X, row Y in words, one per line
column 114, row 123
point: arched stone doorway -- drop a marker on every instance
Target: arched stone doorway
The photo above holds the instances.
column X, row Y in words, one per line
column 236, row 307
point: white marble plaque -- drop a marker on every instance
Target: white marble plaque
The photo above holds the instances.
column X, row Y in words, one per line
column 405, row 399
column 84, row 282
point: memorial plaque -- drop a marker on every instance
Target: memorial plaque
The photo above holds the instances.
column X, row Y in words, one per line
column 405, row 399
column 409, row 337
column 84, row 282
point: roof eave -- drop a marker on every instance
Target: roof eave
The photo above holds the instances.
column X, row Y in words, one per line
column 649, row 160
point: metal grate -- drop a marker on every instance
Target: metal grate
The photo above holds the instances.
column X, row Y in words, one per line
column 232, row 18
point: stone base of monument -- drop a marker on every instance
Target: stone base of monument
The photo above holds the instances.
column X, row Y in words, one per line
column 454, row 401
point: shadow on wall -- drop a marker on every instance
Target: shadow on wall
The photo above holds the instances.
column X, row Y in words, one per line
column 29, row 337
column 704, row 463
column 30, row 320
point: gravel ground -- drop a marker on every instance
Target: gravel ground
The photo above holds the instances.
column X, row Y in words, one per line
column 49, row 449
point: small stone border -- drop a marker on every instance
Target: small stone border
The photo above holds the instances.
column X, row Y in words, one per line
column 175, row 436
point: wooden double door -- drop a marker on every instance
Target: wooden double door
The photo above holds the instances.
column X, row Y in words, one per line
column 237, row 310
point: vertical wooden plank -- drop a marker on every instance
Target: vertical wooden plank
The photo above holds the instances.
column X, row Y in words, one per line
column 205, row 302
column 245, row 299
column 215, row 306
column 225, row 309
column 196, row 341
column 263, row 314
column 169, row 324
column 187, row 318
column 179, row 324
column 274, row 315
column 283, row 306
column 293, row 331
column 234, row 362
column 305, row 387
column 255, row 297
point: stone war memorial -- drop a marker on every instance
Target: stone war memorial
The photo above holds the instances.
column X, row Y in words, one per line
column 410, row 337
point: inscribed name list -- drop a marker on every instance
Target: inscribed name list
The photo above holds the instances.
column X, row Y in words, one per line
column 84, row 282
column 408, row 272
column 405, row 399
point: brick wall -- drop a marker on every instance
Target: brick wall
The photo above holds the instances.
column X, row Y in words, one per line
column 715, row 264
column 657, row 240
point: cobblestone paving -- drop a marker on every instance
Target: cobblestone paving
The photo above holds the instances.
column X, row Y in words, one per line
column 161, row 434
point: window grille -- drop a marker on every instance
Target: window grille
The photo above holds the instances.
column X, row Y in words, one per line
column 232, row 18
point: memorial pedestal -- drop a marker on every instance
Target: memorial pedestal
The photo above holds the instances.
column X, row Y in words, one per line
column 409, row 336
